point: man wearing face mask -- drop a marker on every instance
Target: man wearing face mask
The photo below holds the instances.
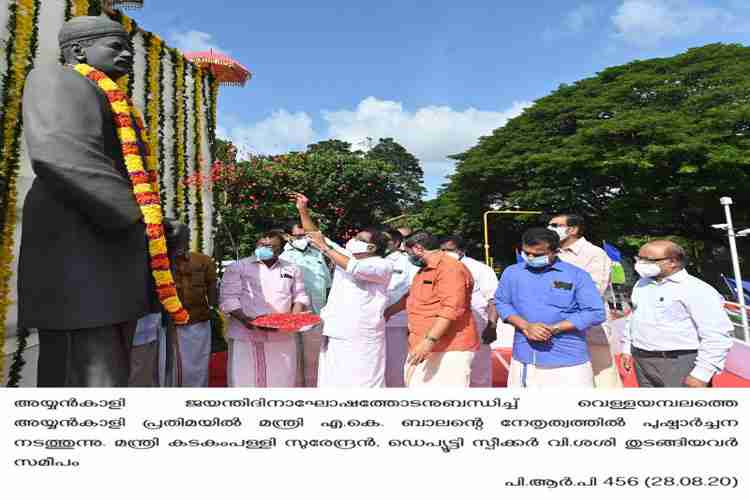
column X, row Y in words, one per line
column 442, row 333
column 317, row 277
column 678, row 333
column 396, row 328
column 353, row 349
column 482, row 307
column 255, row 286
column 576, row 250
column 551, row 304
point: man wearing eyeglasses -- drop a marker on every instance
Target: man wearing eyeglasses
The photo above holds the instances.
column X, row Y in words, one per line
column 577, row 250
column 678, row 334
column 317, row 278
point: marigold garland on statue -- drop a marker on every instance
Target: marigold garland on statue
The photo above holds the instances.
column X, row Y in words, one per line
column 145, row 186
column 21, row 49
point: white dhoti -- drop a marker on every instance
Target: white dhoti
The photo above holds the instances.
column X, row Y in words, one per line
column 441, row 369
column 396, row 349
column 481, row 367
column 308, row 344
column 603, row 362
column 258, row 363
column 352, row 362
column 529, row 376
column 195, row 353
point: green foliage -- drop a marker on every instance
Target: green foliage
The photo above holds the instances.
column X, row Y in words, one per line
column 642, row 150
column 410, row 174
column 347, row 192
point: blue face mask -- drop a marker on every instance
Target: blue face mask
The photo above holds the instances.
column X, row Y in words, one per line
column 541, row 261
column 264, row 253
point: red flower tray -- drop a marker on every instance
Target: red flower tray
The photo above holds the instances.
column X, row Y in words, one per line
column 286, row 322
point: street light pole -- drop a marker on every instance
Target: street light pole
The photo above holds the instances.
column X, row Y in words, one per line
column 726, row 202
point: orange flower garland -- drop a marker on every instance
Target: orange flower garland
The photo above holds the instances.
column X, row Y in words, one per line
column 145, row 187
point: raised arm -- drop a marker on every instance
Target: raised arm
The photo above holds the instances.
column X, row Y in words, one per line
column 301, row 202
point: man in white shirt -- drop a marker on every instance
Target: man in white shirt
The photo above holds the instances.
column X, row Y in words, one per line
column 397, row 327
column 576, row 250
column 353, row 349
column 482, row 308
column 678, row 334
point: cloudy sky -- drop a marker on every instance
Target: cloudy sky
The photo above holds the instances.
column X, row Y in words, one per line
column 434, row 75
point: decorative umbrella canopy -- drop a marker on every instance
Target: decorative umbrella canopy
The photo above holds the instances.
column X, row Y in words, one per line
column 126, row 4
column 226, row 70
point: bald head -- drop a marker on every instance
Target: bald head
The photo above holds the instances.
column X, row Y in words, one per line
column 666, row 249
column 668, row 255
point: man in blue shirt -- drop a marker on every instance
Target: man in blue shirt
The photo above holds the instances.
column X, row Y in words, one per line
column 551, row 304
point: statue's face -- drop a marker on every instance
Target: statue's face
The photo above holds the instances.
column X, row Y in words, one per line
column 111, row 55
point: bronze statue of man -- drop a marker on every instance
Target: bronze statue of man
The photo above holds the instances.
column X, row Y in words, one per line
column 84, row 277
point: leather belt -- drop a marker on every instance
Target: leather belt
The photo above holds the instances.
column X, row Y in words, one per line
column 661, row 354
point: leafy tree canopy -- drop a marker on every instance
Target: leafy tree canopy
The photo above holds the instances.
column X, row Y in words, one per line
column 347, row 192
column 642, row 150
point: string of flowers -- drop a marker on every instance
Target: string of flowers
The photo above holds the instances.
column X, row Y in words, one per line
column 68, row 10
column 159, row 54
column 184, row 141
column 215, row 193
column 80, row 8
column 153, row 45
column 178, row 100
column 16, row 366
column 143, row 175
column 23, row 23
column 197, row 156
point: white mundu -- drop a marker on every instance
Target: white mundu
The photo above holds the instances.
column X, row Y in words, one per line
column 353, row 351
column 396, row 329
column 485, row 285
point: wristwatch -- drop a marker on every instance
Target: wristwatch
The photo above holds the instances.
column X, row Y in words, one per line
column 431, row 339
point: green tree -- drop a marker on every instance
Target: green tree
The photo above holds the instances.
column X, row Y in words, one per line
column 410, row 174
column 347, row 192
column 644, row 150
column 330, row 146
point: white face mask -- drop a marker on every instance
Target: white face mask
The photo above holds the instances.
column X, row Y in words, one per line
column 300, row 244
column 562, row 232
column 356, row 246
column 647, row 269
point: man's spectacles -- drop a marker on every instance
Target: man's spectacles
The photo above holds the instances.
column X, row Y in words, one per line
column 650, row 261
column 555, row 224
